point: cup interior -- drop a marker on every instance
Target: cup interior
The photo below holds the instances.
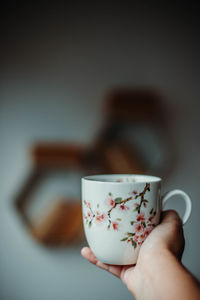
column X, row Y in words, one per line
column 122, row 178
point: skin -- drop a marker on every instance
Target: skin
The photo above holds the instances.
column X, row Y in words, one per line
column 158, row 274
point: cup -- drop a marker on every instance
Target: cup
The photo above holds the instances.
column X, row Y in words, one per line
column 120, row 211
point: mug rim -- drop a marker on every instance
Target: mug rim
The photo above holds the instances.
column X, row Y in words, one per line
column 142, row 178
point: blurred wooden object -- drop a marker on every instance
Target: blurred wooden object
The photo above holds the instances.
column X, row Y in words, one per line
column 120, row 159
column 23, row 197
column 57, row 155
column 61, row 225
column 124, row 107
column 133, row 104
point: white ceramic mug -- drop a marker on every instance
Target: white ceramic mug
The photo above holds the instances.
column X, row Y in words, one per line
column 119, row 211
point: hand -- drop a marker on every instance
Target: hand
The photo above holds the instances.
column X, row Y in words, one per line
column 166, row 237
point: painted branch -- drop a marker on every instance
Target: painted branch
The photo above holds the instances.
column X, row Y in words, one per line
column 121, row 202
column 147, row 188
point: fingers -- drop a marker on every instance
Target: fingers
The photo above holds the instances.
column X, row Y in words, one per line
column 170, row 216
column 171, row 225
column 115, row 270
column 88, row 254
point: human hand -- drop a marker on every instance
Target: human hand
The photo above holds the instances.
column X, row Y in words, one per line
column 167, row 237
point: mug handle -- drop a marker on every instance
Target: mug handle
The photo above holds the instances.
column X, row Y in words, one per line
column 186, row 198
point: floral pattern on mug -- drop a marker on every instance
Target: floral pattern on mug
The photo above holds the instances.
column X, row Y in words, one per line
column 142, row 225
column 110, row 201
column 115, row 225
column 124, row 207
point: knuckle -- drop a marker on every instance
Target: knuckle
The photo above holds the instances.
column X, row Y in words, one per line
column 174, row 218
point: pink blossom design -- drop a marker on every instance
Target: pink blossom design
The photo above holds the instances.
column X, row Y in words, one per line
column 136, row 205
column 103, row 217
column 139, row 239
column 139, row 227
column 88, row 204
column 115, row 225
column 89, row 214
column 147, row 231
column 151, row 218
column 140, row 217
column 112, row 202
column 98, row 219
column 124, row 207
column 142, row 237
column 134, row 192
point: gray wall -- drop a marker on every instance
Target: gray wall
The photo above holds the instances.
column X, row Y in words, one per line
column 57, row 64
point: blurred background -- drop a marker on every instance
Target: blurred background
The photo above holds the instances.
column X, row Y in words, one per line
column 90, row 88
